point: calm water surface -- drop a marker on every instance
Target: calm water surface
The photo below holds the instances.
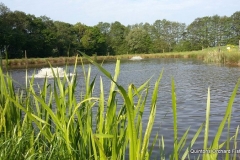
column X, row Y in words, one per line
column 192, row 79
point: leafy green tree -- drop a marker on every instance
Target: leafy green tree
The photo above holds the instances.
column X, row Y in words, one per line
column 183, row 45
column 224, row 30
column 158, row 41
column 214, row 30
column 235, row 18
column 138, row 41
column 209, row 31
column 80, row 30
column 198, row 32
column 40, row 38
column 93, row 41
column 117, row 34
column 166, row 34
column 4, row 27
column 104, row 27
column 17, row 31
column 21, row 32
column 49, row 34
column 66, row 38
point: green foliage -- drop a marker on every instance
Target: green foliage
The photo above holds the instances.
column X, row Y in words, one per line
column 93, row 41
column 50, row 122
column 43, row 37
column 138, row 41
column 183, row 46
column 222, row 55
column 117, row 43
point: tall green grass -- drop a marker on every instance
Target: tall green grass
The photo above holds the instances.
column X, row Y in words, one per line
column 52, row 121
column 222, row 55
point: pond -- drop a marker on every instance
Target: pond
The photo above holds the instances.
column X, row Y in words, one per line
column 192, row 79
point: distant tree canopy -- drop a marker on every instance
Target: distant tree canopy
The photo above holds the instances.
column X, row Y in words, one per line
column 43, row 37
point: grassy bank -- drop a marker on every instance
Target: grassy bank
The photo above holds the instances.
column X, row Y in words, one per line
column 209, row 55
column 53, row 122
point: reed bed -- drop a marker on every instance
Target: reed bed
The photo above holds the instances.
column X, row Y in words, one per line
column 223, row 55
column 49, row 122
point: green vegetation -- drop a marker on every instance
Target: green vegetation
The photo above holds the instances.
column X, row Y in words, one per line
column 41, row 37
column 53, row 122
column 209, row 55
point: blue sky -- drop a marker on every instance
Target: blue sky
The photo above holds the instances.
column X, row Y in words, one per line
column 90, row 12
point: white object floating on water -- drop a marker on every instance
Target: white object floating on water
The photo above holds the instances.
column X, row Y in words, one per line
column 136, row 58
column 47, row 72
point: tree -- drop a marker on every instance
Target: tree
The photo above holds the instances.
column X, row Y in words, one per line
column 93, row 41
column 235, row 18
column 117, row 43
column 34, row 44
column 224, row 30
column 66, row 38
column 198, row 33
column 21, row 32
column 104, row 27
column 16, row 33
column 166, row 34
column 4, row 27
column 138, row 41
column 80, row 30
column 183, row 45
column 159, row 43
column 49, row 33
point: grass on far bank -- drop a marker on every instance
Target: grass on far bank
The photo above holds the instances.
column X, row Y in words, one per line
column 209, row 55
column 49, row 122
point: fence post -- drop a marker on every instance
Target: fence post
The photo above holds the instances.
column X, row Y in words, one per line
column 26, row 60
column 6, row 57
column 1, row 59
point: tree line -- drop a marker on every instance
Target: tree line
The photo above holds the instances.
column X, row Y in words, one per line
column 43, row 37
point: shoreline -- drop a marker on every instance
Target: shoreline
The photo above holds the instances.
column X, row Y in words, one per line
column 206, row 56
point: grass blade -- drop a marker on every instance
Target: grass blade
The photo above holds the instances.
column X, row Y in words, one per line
column 205, row 156
column 215, row 144
column 174, row 108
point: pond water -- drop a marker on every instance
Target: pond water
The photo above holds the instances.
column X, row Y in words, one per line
column 192, row 79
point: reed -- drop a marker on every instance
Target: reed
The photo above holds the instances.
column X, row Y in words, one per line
column 52, row 121
column 222, row 55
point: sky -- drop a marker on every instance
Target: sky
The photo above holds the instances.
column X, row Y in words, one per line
column 127, row 12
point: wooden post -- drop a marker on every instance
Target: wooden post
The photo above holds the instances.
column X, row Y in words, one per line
column 239, row 45
column 26, row 61
column 6, row 57
column 95, row 56
column 1, row 59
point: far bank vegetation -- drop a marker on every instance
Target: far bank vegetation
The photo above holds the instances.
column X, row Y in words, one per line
column 41, row 37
